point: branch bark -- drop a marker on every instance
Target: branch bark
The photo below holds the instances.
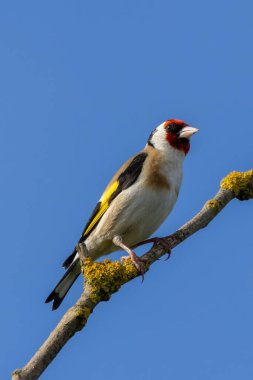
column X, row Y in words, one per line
column 103, row 279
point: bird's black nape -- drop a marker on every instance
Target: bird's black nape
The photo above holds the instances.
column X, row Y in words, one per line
column 149, row 142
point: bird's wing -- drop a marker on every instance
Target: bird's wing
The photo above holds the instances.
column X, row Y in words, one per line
column 124, row 178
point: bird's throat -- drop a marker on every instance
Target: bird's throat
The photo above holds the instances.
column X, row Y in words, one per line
column 180, row 144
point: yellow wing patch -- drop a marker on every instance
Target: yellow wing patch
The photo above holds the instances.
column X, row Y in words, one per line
column 109, row 191
column 103, row 206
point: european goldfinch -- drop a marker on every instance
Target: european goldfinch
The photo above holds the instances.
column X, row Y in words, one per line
column 135, row 203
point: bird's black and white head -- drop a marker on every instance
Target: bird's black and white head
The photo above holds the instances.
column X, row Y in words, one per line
column 172, row 135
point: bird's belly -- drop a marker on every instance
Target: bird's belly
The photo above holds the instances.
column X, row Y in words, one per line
column 147, row 215
column 134, row 215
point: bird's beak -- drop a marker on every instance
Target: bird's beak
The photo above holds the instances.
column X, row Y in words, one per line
column 187, row 132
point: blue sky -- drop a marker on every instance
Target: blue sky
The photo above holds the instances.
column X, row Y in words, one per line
column 82, row 86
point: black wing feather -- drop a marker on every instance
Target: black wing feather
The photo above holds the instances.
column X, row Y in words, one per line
column 126, row 179
column 129, row 176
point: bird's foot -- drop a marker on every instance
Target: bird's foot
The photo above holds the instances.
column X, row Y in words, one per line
column 163, row 242
column 158, row 241
column 139, row 263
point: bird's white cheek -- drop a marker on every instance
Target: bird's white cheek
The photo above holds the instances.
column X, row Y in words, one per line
column 159, row 139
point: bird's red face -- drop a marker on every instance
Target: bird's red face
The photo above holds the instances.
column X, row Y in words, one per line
column 178, row 134
column 171, row 135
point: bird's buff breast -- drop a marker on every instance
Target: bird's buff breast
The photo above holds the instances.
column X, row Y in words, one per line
column 148, row 213
column 135, row 215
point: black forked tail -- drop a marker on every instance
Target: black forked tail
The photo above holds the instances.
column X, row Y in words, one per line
column 69, row 260
column 65, row 283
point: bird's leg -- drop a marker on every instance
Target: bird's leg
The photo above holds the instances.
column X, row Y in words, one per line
column 82, row 251
column 139, row 263
column 157, row 240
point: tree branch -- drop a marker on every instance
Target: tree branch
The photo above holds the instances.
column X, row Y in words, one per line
column 102, row 279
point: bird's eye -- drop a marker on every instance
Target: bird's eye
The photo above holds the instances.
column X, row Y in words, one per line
column 172, row 128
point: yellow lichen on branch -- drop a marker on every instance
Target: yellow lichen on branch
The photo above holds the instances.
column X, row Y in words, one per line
column 106, row 277
column 82, row 313
column 214, row 204
column 241, row 184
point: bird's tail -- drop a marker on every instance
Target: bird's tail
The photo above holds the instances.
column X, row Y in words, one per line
column 65, row 283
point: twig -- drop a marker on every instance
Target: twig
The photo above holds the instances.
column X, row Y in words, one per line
column 113, row 275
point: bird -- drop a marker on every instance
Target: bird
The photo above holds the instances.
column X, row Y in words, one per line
column 135, row 203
